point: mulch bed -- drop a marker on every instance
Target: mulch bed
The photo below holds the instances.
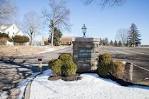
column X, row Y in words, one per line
column 66, row 78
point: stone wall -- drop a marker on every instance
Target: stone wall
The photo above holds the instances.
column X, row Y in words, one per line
column 85, row 52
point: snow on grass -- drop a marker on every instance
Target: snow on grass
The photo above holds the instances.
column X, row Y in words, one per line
column 3, row 95
column 90, row 87
column 22, row 85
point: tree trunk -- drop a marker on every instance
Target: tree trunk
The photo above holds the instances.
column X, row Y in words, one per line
column 52, row 36
column 31, row 40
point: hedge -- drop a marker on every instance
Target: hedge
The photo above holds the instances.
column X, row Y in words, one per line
column 20, row 39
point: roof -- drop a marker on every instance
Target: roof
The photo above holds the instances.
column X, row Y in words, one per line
column 66, row 39
column 4, row 27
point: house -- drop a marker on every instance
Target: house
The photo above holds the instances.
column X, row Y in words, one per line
column 66, row 40
column 11, row 30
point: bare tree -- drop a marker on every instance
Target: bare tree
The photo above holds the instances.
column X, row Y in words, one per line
column 31, row 24
column 7, row 11
column 105, row 3
column 57, row 16
column 122, row 35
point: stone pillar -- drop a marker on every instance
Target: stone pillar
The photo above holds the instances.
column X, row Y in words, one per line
column 85, row 52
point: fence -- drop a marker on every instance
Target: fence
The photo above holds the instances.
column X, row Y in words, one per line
column 136, row 73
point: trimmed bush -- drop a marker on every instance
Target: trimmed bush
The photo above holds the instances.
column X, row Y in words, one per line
column 63, row 66
column 69, row 68
column 104, row 65
column 66, row 57
column 107, row 67
column 55, row 66
column 104, row 69
column 118, row 69
column 105, row 58
column 20, row 39
column 50, row 63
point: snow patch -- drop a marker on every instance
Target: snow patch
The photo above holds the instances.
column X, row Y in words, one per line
column 89, row 87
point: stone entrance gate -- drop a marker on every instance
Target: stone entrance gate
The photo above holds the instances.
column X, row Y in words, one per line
column 86, row 52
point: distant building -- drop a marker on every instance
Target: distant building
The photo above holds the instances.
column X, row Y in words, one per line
column 66, row 40
column 11, row 30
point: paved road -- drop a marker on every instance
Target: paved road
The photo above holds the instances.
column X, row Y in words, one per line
column 45, row 56
column 139, row 56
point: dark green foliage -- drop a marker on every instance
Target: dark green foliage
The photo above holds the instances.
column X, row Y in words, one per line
column 119, row 43
column 50, row 63
column 3, row 35
column 104, row 65
column 115, row 43
column 65, row 57
column 104, row 69
column 55, row 66
column 56, row 37
column 104, row 41
column 69, row 68
column 4, row 38
column 64, row 65
column 20, row 39
column 134, row 36
column 111, row 43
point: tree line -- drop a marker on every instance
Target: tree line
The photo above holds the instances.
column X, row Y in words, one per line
column 106, row 42
column 57, row 19
column 129, row 37
column 125, row 37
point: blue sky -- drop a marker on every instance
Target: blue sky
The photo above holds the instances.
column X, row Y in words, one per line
column 100, row 22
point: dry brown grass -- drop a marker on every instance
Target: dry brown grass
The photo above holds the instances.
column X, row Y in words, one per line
column 19, row 50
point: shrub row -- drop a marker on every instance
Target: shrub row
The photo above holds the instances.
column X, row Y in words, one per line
column 4, row 35
column 63, row 66
column 20, row 39
column 106, row 66
column 16, row 39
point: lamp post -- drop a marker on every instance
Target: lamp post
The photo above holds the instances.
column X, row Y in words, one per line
column 84, row 29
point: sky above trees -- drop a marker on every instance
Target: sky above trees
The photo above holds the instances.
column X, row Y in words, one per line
column 100, row 22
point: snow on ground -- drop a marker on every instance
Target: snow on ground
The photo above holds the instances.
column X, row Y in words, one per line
column 90, row 87
column 22, row 85
column 3, row 95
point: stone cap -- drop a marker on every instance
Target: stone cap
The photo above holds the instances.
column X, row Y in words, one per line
column 82, row 39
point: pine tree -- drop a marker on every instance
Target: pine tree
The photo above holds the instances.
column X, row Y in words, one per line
column 115, row 43
column 134, row 36
column 57, row 36
column 119, row 43
column 111, row 43
column 101, row 41
column 105, row 41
